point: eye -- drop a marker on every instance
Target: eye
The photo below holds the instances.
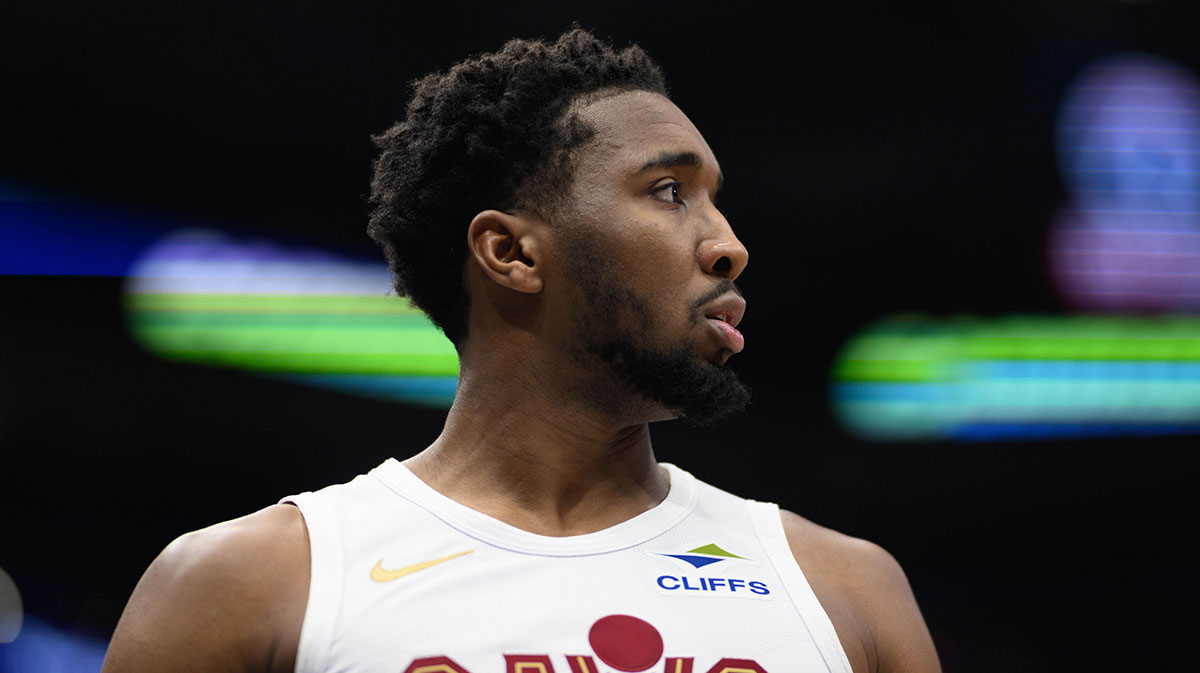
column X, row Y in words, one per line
column 670, row 192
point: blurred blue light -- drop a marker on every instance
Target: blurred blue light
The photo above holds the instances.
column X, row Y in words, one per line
column 66, row 239
column 42, row 648
column 1129, row 151
column 1021, row 376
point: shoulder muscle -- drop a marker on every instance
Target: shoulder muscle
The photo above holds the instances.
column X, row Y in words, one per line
column 867, row 596
column 230, row 597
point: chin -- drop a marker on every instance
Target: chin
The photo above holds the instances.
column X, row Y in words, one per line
column 667, row 383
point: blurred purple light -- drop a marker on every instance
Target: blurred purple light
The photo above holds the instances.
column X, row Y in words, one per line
column 1129, row 150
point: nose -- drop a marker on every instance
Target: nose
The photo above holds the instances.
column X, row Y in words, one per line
column 723, row 254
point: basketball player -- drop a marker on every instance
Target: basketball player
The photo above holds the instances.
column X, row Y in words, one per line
column 554, row 213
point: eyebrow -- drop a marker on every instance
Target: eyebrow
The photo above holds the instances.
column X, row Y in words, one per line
column 673, row 159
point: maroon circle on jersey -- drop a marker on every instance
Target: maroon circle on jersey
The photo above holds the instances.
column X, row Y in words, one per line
column 626, row 643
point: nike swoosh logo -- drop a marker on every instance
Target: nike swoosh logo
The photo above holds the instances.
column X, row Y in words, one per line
column 380, row 575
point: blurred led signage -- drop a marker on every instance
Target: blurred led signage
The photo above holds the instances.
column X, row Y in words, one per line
column 1127, row 241
column 1023, row 376
column 302, row 315
column 1129, row 152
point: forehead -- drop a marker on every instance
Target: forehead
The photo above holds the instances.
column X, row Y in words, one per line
column 634, row 126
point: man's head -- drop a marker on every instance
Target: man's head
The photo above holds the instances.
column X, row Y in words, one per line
column 492, row 132
column 608, row 250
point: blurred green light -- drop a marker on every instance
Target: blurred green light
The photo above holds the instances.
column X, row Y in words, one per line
column 293, row 334
column 920, row 378
column 301, row 316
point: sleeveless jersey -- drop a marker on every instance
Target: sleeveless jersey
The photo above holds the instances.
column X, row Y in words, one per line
column 406, row 580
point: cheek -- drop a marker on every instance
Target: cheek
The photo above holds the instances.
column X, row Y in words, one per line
column 666, row 274
column 676, row 312
column 663, row 255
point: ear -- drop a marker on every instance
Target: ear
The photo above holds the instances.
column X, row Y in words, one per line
column 506, row 248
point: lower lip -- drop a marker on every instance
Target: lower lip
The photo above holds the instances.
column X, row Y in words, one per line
column 733, row 338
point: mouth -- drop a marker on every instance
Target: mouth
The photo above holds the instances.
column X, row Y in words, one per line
column 723, row 315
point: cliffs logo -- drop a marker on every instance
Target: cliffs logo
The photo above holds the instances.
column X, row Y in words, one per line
column 621, row 642
column 710, row 583
column 706, row 555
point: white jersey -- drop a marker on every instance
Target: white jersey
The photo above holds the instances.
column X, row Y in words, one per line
column 406, row 580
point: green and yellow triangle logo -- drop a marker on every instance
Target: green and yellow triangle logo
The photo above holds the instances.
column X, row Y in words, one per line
column 713, row 550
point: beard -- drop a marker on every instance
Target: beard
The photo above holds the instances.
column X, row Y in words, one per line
column 699, row 392
column 612, row 321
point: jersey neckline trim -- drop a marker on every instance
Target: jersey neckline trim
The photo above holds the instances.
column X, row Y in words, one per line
column 680, row 501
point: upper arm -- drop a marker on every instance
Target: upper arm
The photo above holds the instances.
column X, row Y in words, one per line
column 867, row 596
column 901, row 639
column 230, row 597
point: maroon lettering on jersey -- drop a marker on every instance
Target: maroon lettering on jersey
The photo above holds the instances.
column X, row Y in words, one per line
column 626, row 643
column 581, row 663
column 736, row 666
column 527, row 663
column 678, row 665
column 434, row 665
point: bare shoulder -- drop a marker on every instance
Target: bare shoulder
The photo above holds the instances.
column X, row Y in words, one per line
column 229, row 597
column 867, row 596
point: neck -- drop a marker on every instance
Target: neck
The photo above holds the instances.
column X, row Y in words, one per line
column 539, row 458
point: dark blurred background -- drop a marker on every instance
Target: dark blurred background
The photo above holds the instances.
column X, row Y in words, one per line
column 878, row 160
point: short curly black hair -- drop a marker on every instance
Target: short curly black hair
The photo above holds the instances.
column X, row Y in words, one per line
column 492, row 132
